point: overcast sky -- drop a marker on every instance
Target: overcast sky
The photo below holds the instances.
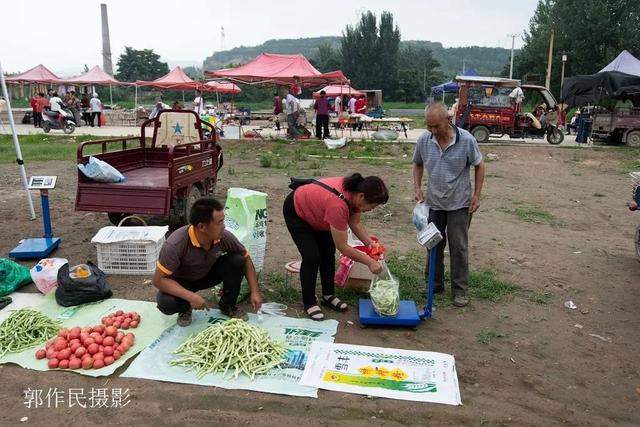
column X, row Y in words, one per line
column 66, row 35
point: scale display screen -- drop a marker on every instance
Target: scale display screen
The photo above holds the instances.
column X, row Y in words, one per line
column 42, row 182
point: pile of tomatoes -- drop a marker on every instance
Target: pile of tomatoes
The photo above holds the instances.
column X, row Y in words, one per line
column 122, row 320
column 91, row 347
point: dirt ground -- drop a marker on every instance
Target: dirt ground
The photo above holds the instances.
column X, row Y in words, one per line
column 520, row 361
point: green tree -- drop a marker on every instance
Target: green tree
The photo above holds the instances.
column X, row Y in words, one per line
column 370, row 52
column 590, row 32
column 327, row 58
column 418, row 72
column 142, row 64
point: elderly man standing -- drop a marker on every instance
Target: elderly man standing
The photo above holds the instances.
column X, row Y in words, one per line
column 447, row 152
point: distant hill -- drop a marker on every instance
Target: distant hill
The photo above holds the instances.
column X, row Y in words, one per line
column 489, row 61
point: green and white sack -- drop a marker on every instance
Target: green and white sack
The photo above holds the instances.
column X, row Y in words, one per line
column 246, row 217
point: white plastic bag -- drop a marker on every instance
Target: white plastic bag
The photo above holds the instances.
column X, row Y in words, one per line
column 421, row 215
column 101, row 171
column 45, row 273
column 385, row 293
column 334, row 144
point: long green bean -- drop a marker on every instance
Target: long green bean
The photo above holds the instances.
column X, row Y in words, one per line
column 233, row 347
column 25, row 328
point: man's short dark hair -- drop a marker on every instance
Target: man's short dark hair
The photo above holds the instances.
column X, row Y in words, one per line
column 202, row 210
column 322, row 92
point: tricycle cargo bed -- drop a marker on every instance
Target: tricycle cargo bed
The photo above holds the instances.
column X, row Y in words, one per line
column 159, row 179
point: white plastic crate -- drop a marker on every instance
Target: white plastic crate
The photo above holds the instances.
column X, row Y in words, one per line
column 129, row 250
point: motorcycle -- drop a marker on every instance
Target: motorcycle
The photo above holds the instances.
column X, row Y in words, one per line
column 55, row 120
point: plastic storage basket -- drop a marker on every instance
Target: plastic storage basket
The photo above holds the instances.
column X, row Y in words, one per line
column 129, row 250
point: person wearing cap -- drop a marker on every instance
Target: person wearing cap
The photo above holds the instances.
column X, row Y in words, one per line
column 199, row 256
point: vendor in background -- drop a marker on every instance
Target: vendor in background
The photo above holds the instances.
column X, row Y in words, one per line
column 176, row 105
column 85, row 106
column 72, row 101
column 624, row 104
column 321, row 106
column 317, row 217
column 198, row 103
column 352, row 104
column 337, row 105
column 293, row 111
column 277, row 109
column 37, row 117
column 447, row 153
column 199, row 256
column 96, row 110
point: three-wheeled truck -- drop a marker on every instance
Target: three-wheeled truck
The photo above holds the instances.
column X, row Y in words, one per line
column 486, row 108
column 164, row 174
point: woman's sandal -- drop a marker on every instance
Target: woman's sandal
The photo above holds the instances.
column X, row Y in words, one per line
column 315, row 313
column 334, row 303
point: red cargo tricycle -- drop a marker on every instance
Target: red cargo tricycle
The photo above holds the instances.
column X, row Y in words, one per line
column 164, row 174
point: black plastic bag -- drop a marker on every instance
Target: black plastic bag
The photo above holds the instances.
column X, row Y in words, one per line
column 78, row 291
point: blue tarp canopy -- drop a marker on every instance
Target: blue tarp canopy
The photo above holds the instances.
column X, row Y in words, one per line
column 451, row 86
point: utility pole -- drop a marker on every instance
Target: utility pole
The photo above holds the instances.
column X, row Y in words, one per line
column 549, row 60
column 424, row 80
column 464, row 66
column 513, row 42
column 564, row 60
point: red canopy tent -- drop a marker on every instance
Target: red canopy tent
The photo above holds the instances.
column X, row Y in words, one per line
column 222, row 87
column 95, row 76
column 279, row 69
column 38, row 74
column 338, row 90
column 176, row 79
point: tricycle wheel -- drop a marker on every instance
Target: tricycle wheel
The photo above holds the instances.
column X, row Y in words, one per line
column 194, row 194
column 633, row 138
column 115, row 217
column 481, row 134
column 555, row 137
column 638, row 242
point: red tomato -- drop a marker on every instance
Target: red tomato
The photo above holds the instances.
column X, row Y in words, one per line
column 125, row 346
column 88, row 342
column 97, row 364
column 108, row 341
column 75, row 332
column 98, row 355
column 99, row 328
column 84, row 336
column 134, row 323
column 50, row 352
column 93, row 348
column 63, row 364
column 63, row 333
column 74, row 341
column 108, row 351
column 53, row 363
column 54, row 355
column 60, row 344
column 41, row 354
column 116, row 354
column 117, row 324
column 111, row 331
column 119, row 337
column 75, row 346
column 64, row 354
column 125, row 325
column 86, row 330
column 75, row 363
column 119, row 313
column 98, row 339
column 80, row 351
column 108, row 360
column 87, row 363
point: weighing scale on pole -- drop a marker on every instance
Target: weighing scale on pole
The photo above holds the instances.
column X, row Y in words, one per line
column 39, row 247
column 408, row 314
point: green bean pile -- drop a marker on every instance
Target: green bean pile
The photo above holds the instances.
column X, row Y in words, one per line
column 25, row 328
column 229, row 346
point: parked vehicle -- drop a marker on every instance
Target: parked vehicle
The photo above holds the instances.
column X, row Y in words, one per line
column 53, row 120
column 621, row 126
column 162, row 177
column 485, row 109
